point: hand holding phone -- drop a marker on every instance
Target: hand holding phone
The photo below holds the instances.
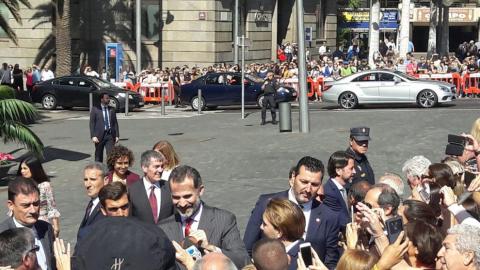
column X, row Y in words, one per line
column 305, row 251
column 394, row 228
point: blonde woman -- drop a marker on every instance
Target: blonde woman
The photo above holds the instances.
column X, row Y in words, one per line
column 171, row 157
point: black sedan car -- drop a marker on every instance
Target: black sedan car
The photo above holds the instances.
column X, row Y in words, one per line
column 223, row 89
column 73, row 91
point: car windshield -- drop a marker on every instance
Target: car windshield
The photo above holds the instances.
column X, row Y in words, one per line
column 254, row 78
column 405, row 76
column 102, row 83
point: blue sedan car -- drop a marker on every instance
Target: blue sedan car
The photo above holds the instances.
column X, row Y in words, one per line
column 224, row 89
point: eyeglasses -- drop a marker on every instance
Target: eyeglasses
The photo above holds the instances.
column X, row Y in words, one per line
column 115, row 209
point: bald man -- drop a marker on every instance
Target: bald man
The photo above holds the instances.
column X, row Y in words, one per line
column 270, row 254
column 214, row 261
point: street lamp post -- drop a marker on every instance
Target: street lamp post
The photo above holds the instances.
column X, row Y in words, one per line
column 138, row 34
column 235, row 34
column 302, row 73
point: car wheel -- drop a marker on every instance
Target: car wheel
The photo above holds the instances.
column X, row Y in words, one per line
column 260, row 101
column 114, row 104
column 195, row 105
column 348, row 100
column 49, row 102
column 427, row 99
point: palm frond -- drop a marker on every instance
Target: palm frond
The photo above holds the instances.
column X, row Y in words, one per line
column 17, row 110
column 12, row 131
column 8, row 30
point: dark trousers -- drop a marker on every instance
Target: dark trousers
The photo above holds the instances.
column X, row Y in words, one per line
column 106, row 142
column 268, row 101
column 177, row 92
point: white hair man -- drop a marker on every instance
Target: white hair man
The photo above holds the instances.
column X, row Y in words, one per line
column 414, row 169
column 394, row 181
column 461, row 249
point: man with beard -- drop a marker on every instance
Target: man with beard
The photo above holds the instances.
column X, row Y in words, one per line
column 214, row 229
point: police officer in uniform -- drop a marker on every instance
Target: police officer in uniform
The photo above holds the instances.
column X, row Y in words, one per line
column 269, row 89
column 359, row 138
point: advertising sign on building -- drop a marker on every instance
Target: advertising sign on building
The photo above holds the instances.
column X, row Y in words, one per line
column 454, row 15
column 360, row 19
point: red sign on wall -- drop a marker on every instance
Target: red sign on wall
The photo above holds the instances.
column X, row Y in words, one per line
column 113, row 53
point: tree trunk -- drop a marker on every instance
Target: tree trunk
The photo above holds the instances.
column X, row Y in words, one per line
column 404, row 28
column 432, row 33
column 63, row 40
column 374, row 31
column 444, row 42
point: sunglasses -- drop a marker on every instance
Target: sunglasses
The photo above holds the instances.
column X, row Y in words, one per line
column 35, row 248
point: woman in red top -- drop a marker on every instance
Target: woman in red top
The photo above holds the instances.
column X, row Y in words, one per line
column 29, row 81
column 119, row 160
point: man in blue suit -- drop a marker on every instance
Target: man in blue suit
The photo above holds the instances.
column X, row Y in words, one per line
column 341, row 169
column 322, row 224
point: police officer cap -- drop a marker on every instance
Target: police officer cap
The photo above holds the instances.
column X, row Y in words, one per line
column 360, row 133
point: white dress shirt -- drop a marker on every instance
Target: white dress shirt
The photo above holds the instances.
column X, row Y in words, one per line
column 157, row 192
column 94, row 204
column 340, row 188
column 306, row 209
column 196, row 220
column 41, row 257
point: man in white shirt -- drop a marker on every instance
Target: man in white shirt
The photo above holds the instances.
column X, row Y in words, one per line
column 46, row 74
column 24, row 203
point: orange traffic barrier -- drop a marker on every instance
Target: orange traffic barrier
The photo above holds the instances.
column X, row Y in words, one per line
column 452, row 78
column 132, row 87
column 312, row 85
column 320, row 85
column 471, row 83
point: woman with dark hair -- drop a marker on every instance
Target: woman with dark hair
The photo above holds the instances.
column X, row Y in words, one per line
column 31, row 168
column 414, row 210
column 172, row 160
column 424, row 243
column 442, row 174
column 285, row 221
column 119, row 161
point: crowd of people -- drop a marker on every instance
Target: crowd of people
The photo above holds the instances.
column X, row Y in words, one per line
column 342, row 215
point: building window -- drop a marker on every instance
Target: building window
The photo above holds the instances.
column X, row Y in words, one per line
column 4, row 12
column 151, row 19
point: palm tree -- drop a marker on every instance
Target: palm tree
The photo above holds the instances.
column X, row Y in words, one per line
column 14, row 115
column 374, row 31
column 432, row 33
column 63, row 43
column 13, row 7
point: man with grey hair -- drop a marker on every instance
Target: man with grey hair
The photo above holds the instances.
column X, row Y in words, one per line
column 382, row 196
column 18, row 249
column 394, row 181
column 214, row 261
column 460, row 249
column 150, row 199
column 93, row 180
column 414, row 169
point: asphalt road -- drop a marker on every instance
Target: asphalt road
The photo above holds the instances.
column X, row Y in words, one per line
column 239, row 159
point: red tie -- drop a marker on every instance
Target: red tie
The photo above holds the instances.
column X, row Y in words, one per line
column 188, row 226
column 153, row 203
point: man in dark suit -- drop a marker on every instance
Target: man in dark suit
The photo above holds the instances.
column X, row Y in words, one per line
column 103, row 127
column 322, row 224
column 94, row 179
column 24, row 202
column 150, row 198
column 341, row 170
column 215, row 229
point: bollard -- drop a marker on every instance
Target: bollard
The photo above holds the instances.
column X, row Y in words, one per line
column 170, row 95
column 163, row 101
column 199, row 106
column 90, row 101
column 126, row 103
column 285, row 114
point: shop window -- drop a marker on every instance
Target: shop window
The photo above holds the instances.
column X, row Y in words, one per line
column 151, row 19
column 4, row 13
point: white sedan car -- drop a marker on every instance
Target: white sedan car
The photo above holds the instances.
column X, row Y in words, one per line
column 385, row 86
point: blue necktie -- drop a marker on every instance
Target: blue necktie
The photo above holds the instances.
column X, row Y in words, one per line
column 105, row 118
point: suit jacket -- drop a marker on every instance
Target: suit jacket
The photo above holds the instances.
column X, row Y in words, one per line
column 221, row 229
column 97, row 124
column 95, row 216
column 323, row 228
column 45, row 235
column 334, row 201
column 140, row 205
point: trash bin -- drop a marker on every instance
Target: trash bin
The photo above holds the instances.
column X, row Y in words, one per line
column 285, row 114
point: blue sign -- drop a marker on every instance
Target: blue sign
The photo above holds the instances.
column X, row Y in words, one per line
column 361, row 19
column 113, row 61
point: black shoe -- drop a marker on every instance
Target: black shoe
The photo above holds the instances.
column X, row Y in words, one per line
column 263, row 123
column 274, row 122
